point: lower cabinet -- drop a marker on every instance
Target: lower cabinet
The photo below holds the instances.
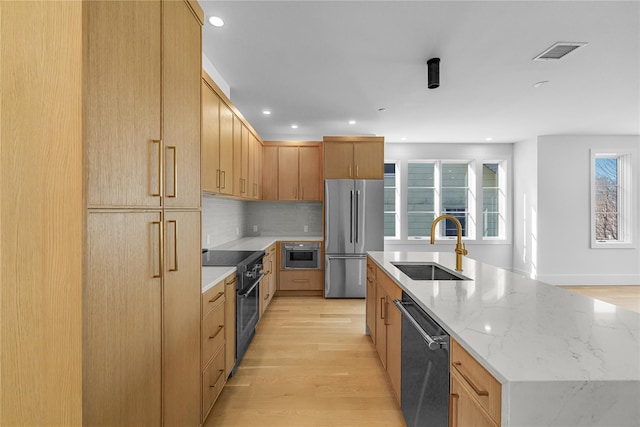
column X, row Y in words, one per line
column 213, row 345
column 386, row 332
column 141, row 322
column 268, row 283
column 230, row 323
column 300, row 280
column 475, row 395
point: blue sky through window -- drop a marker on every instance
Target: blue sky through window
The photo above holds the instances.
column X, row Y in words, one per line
column 607, row 168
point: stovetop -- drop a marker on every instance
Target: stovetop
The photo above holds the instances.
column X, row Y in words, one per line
column 229, row 258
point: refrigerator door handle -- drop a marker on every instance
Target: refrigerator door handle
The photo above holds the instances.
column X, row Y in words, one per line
column 357, row 213
column 346, row 256
column 351, row 216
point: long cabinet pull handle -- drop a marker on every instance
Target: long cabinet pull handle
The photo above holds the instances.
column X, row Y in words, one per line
column 217, row 178
column 224, row 180
column 175, row 172
column 382, row 308
column 160, row 243
column 357, row 171
column 220, row 328
column 216, row 381
column 349, row 171
column 467, row 378
column 386, row 313
column 175, row 244
column 453, row 410
column 217, row 297
column 159, row 167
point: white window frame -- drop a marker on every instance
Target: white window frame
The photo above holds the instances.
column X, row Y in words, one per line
column 502, row 200
column 397, row 204
column 625, row 200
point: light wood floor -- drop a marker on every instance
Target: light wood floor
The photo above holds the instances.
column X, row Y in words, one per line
column 310, row 364
column 624, row 296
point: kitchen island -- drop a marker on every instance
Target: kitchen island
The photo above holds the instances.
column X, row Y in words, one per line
column 562, row 359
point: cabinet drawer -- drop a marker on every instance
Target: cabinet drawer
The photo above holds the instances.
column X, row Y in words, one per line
column 212, row 298
column 212, row 332
column 486, row 389
column 301, row 280
column 213, row 379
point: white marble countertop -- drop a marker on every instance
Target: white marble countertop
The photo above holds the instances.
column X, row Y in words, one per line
column 576, row 350
column 213, row 275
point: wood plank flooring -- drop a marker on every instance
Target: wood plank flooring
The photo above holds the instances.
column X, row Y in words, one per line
column 310, row 364
column 624, row 296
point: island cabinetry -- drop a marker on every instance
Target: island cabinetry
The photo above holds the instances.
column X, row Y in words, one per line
column 371, row 300
column 384, row 322
column 229, row 323
column 348, row 157
column 213, row 346
column 475, row 398
column 268, row 283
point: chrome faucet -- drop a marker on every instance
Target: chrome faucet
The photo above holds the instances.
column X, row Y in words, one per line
column 460, row 249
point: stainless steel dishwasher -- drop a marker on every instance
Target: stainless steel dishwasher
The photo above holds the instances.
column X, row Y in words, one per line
column 425, row 367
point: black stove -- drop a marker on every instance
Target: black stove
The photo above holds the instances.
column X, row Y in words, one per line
column 229, row 258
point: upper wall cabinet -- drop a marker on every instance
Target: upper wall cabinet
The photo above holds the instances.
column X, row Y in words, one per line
column 353, row 157
column 142, row 105
column 217, row 141
column 293, row 171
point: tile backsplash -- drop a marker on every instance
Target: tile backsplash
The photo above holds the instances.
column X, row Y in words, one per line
column 225, row 220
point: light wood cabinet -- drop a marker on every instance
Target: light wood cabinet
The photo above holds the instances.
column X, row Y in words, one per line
column 141, row 346
column 296, row 170
column 181, row 293
column 230, row 323
column 122, row 305
column 353, row 157
column 267, row 285
column 213, row 345
column 371, row 300
column 388, row 325
column 300, row 280
column 475, row 398
column 217, row 140
column 270, row 173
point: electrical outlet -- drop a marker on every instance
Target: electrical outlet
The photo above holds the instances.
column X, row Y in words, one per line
column 306, row 228
column 255, row 228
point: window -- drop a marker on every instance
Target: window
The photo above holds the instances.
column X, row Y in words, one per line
column 493, row 200
column 391, row 216
column 610, row 200
column 436, row 188
column 421, row 198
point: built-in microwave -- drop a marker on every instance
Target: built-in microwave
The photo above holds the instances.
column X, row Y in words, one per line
column 302, row 255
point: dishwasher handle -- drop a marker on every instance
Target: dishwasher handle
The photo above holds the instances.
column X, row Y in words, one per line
column 432, row 343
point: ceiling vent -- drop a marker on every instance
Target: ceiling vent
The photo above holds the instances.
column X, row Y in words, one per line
column 558, row 50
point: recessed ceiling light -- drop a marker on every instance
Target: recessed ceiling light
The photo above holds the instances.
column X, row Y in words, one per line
column 266, row 112
column 543, row 82
column 294, row 126
column 216, row 21
column 352, row 122
column 488, row 138
column 382, row 110
column 403, row 139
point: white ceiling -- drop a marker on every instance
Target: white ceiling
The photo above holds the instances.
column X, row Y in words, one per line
column 319, row 64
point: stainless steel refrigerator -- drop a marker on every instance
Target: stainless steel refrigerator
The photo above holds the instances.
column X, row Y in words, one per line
column 353, row 225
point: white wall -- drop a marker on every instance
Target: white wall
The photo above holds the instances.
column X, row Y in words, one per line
column 498, row 253
column 525, row 207
column 215, row 75
column 564, row 248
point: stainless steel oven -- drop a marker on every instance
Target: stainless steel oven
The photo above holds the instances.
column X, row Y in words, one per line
column 304, row 255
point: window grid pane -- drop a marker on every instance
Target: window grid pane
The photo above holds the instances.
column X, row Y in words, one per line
column 491, row 209
column 607, row 193
column 421, row 199
column 390, row 200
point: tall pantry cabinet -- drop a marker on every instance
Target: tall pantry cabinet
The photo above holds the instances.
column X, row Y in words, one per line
column 141, row 299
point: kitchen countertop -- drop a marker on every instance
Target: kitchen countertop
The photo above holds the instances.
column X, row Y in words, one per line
column 563, row 359
column 213, row 275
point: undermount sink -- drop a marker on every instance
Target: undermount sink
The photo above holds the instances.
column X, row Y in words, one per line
column 427, row 271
